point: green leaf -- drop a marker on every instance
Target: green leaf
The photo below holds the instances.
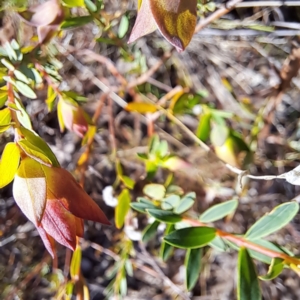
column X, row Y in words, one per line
column 22, row 115
column 163, row 149
column 218, row 244
column 9, row 164
column 90, row 6
column 122, row 208
column 146, row 201
column 185, row 204
column 154, row 144
column 150, row 232
column 34, row 152
column 280, row 216
column 38, row 142
column 170, row 202
column 218, row 211
column 175, row 189
column 75, row 264
column 129, row 183
column 248, row 286
column 5, row 119
column 77, row 21
column 128, row 267
column 192, row 237
column 25, row 89
column 20, row 76
column 143, row 156
column 166, row 249
column 123, row 26
column 192, row 267
column 142, row 205
column 106, row 41
column 275, row 269
column 154, row 191
column 164, row 216
column 151, row 168
column 203, row 129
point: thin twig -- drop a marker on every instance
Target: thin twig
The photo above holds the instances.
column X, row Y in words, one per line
column 166, row 279
column 112, row 127
column 281, row 3
column 155, row 272
column 142, row 79
column 169, row 114
column 209, row 32
column 223, row 10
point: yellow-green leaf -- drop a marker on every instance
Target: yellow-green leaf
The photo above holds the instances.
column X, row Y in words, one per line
column 22, row 115
column 9, row 164
column 73, row 3
column 122, row 208
column 34, row 152
column 39, row 143
column 25, row 89
column 5, row 119
column 51, row 96
column 75, row 263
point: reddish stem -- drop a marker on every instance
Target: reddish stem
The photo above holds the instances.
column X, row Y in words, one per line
column 242, row 242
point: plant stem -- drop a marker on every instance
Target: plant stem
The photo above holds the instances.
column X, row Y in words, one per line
column 242, row 242
column 11, row 99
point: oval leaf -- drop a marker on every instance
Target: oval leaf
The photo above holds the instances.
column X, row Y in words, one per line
column 144, row 23
column 75, row 263
column 25, row 89
column 176, row 20
column 275, row 269
column 248, row 286
column 203, row 129
column 122, row 208
column 164, row 216
column 185, row 204
column 218, row 211
column 9, row 164
column 141, row 107
column 166, row 249
column 170, row 202
column 150, row 232
column 192, row 267
column 192, row 237
column 280, row 216
column 154, row 191
column 34, row 152
column 5, row 119
column 38, row 142
column 218, row 244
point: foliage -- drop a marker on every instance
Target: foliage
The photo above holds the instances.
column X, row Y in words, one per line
column 57, row 205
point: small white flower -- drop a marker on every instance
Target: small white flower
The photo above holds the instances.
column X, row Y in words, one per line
column 108, row 197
